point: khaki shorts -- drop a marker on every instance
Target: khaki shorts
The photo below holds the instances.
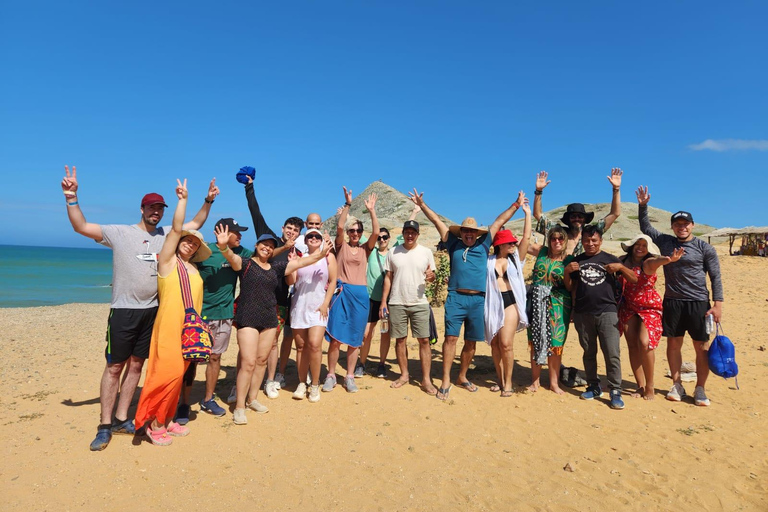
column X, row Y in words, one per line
column 221, row 330
column 399, row 316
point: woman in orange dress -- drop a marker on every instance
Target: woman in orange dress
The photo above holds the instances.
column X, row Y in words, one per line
column 165, row 371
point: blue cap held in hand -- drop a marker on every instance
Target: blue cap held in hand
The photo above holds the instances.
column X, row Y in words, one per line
column 244, row 172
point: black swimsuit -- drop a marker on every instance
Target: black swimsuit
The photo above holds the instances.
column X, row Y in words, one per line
column 508, row 297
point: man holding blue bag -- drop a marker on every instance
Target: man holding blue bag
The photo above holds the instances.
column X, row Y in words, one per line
column 686, row 297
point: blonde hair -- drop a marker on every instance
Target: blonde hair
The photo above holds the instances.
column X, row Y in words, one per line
column 351, row 222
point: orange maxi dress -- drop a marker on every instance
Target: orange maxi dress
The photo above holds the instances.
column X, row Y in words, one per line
column 165, row 371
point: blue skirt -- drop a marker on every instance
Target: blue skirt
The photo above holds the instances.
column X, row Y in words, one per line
column 348, row 314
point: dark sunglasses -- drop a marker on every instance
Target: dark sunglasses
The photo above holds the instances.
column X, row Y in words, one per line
column 384, row 237
column 354, row 230
column 560, row 238
column 313, row 237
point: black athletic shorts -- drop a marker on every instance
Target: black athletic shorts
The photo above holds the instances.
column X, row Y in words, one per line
column 681, row 316
column 373, row 310
column 129, row 333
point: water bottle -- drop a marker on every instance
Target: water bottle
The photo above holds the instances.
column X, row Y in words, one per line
column 385, row 322
column 710, row 323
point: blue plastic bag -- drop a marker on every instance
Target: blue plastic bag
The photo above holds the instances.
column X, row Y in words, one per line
column 722, row 357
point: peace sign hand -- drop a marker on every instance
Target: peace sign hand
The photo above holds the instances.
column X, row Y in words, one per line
column 69, row 183
column 181, row 189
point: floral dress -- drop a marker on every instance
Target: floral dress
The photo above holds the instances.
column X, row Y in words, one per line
column 643, row 300
column 549, row 307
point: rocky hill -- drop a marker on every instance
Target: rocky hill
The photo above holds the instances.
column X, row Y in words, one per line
column 393, row 208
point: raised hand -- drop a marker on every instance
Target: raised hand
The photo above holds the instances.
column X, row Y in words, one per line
column 292, row 254
column 327, row 243
column 213, row 191
column 520, row 198
column 370, row 203
column 69, row 183
column 418, row 199
column 643, row 196
column 525, row 206
column 181, row 189
column 615, row 177
column 347, row 195
column 676, row 255
column 289, row 244
column 222, row 236
column 542, row 181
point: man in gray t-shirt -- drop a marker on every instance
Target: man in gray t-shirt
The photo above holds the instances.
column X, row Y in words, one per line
column 134, row 297
column 686, row 297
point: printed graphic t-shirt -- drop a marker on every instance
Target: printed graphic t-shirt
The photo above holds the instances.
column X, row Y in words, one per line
column 595, row 288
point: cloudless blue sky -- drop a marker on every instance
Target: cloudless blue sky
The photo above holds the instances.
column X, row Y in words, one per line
column 464, row 100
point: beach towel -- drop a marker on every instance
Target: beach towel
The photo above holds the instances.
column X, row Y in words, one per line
column 494, row 305
column 348, row 314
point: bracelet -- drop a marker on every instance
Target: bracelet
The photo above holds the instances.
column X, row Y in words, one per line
column 516, row 205
column 615, row 189
column 72, row 204
column 67, row 193
column 222, row 251
column 347, row 204
column 209, row 202
column 537, row 192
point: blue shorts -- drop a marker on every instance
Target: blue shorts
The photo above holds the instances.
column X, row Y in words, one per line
column 465, row 309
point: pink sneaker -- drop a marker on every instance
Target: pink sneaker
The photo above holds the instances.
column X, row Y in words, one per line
column 177, row 430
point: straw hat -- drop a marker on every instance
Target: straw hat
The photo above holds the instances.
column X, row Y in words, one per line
column 203, row 252
column 468, row 223
column 652, row 249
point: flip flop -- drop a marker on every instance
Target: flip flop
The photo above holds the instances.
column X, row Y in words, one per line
column 507, row 393
column 442, row 394
column 495, row 388
column 468, row 386
column 398, row 384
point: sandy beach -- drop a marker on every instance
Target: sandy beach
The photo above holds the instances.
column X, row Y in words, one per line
column 390, row 450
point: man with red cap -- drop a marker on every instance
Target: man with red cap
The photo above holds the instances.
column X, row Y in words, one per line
column 134, row 297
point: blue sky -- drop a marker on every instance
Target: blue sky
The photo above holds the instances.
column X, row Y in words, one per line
column 464, row 100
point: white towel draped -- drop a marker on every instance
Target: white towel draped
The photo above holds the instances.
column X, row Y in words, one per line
column 494, row 304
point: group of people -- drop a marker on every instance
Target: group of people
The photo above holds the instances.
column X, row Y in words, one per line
column 312, row 288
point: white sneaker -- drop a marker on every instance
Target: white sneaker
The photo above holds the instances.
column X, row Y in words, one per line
column 314, row 394
column 700, row 397
column 677, row 393
column 271, row 389
column 232, row 395
column 240, row 418
column 280, row 379
column 301, row 391
column 256, row 406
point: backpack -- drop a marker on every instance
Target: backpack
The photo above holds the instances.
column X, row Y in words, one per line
column 722, row 357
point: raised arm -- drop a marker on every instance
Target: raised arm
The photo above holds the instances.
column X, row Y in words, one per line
column 343, row 218
column 643, row 196
column 615, row 179
column 222, row 237
column 201, row 216
column 298, row 263
column 651, row 265
column 166, row 258
column 259, row 224
column 541, row 184
column 370, row 205
column 69, row 186
column 522, row 247
column 418, row 200
column 504, row 216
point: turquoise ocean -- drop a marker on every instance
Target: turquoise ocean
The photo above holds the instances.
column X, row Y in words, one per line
column 49, row 276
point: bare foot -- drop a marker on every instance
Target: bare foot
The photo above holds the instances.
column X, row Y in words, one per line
column 649, row 395
column 429, row 388
column 402, row 381
column 533, row 387
column 495, row 388
column 556, row 390
column 637, row 393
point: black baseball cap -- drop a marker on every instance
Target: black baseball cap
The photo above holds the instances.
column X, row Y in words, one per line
column 411, row 224
column 681, row 215
column 231, row 224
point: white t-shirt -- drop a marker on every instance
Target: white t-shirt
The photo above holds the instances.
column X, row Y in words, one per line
column 407, row 270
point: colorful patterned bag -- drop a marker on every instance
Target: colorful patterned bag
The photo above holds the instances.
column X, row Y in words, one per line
column 195, row 334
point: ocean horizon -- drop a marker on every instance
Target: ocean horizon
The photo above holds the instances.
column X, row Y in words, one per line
column 50, row 276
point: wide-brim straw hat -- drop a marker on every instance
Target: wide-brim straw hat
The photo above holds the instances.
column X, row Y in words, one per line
column 203, row 252
column 652, row 249
column 468, row 223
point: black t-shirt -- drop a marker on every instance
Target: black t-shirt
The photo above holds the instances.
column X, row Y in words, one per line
column 595, row 288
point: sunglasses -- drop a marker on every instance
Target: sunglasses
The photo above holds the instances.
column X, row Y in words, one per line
column 384, row 237
column 313, row 237
column 354, row 231
column 557, row 239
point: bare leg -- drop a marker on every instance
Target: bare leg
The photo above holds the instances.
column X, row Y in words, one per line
column 449, row 353
column 248, row 341
column 553, row 362
column 496, row 355
column 212, row 375
column 333, row 356
column 506, row 343
column 301, row 337
column 536, row 373
column 632, row 335
column 300, row 345
column 267, row 342
column 648, row 358
column 702, row 363
column 352, row 355
column 110, row 383
column 271, row 363
column 384, row 347
column 425, row 356
column 675, row 357
column 467, row 354
column 401, row 351
column 285, row 352
column 367, row 337
column 131, row 377
column 313, row 356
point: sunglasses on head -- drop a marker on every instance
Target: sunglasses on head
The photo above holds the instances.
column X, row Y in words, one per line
column 313, row 237
column 353, row 230
column 383, row 237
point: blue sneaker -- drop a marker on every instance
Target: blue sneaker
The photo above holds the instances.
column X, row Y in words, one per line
column 211, row 407
column 616, row 401
column 182, row 414
column 592, row 392
column 123, row 427
column 103, row 437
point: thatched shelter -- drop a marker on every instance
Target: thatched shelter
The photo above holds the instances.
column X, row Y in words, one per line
column 753, row 239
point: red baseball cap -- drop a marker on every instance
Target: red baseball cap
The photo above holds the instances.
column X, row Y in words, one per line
column 504, row 236
column 153, row 199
